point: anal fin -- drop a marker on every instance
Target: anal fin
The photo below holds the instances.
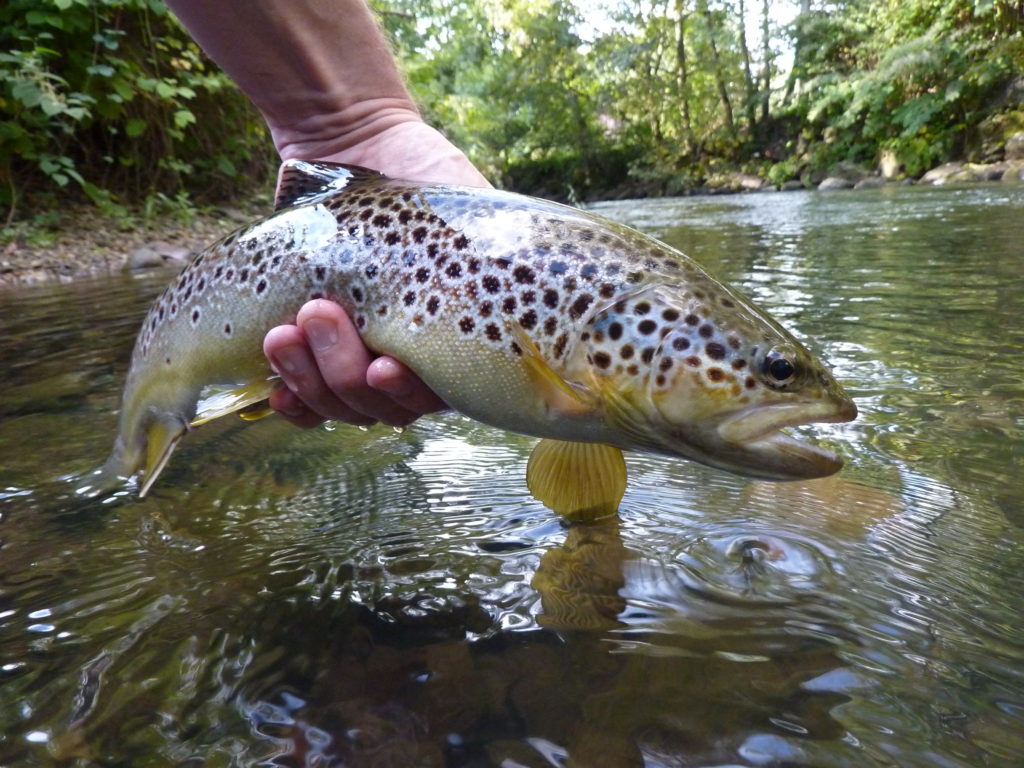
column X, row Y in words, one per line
column 217, row 402
column 582, row 482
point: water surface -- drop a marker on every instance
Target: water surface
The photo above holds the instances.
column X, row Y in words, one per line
column 368, row 598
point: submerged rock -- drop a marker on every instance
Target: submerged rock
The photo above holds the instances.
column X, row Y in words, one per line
column 158, row 253
column 870, row 182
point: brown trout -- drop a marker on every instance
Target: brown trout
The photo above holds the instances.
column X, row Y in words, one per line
column 524, row 314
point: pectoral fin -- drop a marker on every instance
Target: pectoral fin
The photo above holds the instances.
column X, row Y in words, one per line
column 580, row 481
column 559, row 395
column 161, row 438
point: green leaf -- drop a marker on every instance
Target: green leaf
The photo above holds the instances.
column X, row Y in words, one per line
column 164, row 90
column 135, row 128
column 103, row 70
column 27, row 92
column 183, row 117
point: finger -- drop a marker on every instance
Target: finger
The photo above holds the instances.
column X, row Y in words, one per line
column 343, row 360
column 288, row 351
column 388, row 375
column 288, row 405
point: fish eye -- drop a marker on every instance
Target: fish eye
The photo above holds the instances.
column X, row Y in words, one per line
column 779, row 367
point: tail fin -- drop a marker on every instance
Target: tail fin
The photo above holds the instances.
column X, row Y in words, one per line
column 149, row 450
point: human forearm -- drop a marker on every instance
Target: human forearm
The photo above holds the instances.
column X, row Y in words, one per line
column 319, row 70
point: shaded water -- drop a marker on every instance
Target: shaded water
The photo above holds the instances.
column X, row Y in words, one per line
column 341, row 597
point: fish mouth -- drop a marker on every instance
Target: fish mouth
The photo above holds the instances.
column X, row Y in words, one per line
column 757, row 433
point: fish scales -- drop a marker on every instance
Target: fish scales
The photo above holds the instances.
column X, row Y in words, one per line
column 522, row 313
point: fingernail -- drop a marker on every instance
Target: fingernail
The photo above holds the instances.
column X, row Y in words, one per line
column 322, row 334
column 291, row 359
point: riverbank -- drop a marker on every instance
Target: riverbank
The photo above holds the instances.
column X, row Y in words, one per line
column 84, row 242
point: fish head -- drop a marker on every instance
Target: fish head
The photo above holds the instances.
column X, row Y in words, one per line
column 710, row 377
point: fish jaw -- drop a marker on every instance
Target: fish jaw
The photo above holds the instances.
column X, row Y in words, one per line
column 752, row 441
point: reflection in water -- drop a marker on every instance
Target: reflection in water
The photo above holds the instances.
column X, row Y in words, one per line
column 368, row 598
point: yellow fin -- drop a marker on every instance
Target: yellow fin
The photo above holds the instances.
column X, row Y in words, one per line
column 560, row 395
column 256, row 411
column 214, row 403
column 580, row 481
column 161, row 437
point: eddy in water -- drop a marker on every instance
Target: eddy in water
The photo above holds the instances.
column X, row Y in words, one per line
column 527, row 315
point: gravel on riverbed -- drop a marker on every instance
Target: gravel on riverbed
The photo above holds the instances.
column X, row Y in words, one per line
column 87, row 243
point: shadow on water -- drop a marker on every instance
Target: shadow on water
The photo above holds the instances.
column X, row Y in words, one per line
column 369, row 598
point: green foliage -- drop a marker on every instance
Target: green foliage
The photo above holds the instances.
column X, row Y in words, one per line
column 111, row 99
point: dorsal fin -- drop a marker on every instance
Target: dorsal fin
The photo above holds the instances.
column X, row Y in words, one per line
column 304, row 181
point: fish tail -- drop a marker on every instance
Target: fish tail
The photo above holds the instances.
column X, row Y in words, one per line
column 148, row 450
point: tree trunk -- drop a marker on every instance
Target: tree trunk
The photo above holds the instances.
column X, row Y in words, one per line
column 684, row 86
column 723, row 91
column 748, row 78
column 766, row 87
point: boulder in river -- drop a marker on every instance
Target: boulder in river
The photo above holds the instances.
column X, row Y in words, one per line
column 835, row 182
column 158, row 253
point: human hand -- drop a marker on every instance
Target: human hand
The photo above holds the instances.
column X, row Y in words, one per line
column 328, row 371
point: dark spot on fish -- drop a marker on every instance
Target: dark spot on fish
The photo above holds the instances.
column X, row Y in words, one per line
column 161, row 312
column 367, row 201
column 227, row 329
column 560, row 343
column 739, row 364
column 634, row 277
column 382, row 220
column 404, row 216
column 716, row 374
column 670, row 315
column 229, row 240
column 461, row 243
column 486, row 308
column 693, row 361
column 167, row 360
column 195, row 315
column 492, row 332
column 627, row 351
column 714, row 350
column 706, row 331
column 550, row 325
column 409, row 298
column 257, row 258
column 585, row 336
column 490, row 283
column 473, row 266
column 727, row 303
column 647, row 355
column 528, row 319
column 607, row 290
column 432, row 250
column 433, row 304
column 392, row 238
column 698, row 295
column 419, row 234
column 509, row 304
column 647, row 326
column 321, row 273
column 569, row 284
column 528, row 297
column 370, row 271
column 524, row 275
column 454, row 269
column 642, row 308
column 218, row 273
column 357, row 294
column 602, row 359
column 691, row 319
column 316, row 295
column 613, row 269
column 588, row 270
column 665, row 364
column 261, row 286
column 615, row 331
column 364, row 215
column 516, row 349
column 633, row 370
column 750, row 383
column 422, row 274
column 558, row 267
column 550, row 298
column 580, row 305
column 360, row 322
column 467, row 324
column 660, row 381
column 620, row 307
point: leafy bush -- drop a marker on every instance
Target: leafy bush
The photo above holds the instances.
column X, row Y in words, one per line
column 112, row 98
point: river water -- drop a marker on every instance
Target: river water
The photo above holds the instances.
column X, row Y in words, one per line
column 369, row 598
